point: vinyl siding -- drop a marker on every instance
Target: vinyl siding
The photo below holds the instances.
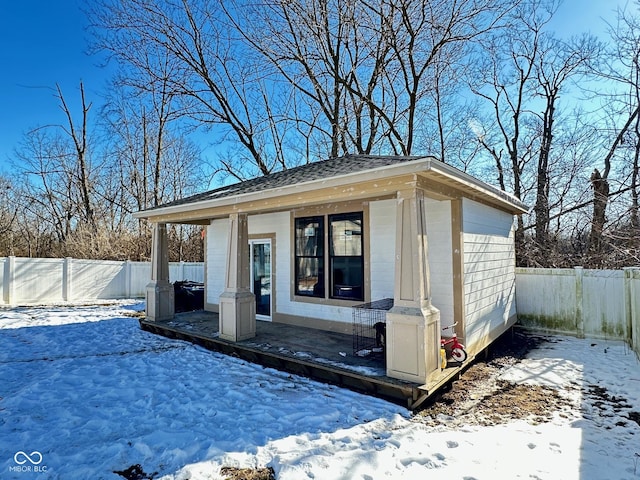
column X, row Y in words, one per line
column 489, row 271
column 382, row 221
column 217, row 236
column 440, row 258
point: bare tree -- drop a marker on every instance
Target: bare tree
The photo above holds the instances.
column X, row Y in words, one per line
column 78, row 135
column 557, row 64
column 622, row 68
column 351, row 75
column 507, row 82
column 210, row 68
column 9, row 204
column 48, row 185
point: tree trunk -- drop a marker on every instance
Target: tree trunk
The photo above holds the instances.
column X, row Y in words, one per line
column 600, row 198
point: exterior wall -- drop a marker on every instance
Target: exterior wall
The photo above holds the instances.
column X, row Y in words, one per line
column 217, row 237
column 439, row 238
column 489, row 273
column 276, row 226
column 382, row 222
column 382, row 232
column 383, row 238
column 271, row 225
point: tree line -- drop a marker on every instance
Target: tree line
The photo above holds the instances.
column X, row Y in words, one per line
column 487, row 86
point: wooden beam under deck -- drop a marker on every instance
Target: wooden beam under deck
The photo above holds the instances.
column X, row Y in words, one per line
column 410, row 395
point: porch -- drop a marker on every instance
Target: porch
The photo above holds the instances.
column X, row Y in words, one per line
column 318, row 354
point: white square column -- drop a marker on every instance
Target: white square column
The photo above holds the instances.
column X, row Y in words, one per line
column 237, row 303
column 413, row 324
column 160, row 296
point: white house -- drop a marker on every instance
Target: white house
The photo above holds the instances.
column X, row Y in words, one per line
column 303, row 246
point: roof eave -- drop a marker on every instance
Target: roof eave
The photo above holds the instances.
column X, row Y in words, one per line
column 423, row 165
column 506, row 200
column 404, row 168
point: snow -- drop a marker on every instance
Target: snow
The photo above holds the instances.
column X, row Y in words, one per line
column 91, row 393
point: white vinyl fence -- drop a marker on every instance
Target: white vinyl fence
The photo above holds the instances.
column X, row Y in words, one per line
column 592, row 303
column 47, row 280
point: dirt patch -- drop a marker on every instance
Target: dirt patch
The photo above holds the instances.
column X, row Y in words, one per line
column 233, row 473
column 634, row 417
column 479, row 397
column 135, row 472
column 610, row 406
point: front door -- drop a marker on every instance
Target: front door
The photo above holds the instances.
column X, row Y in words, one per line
column 261, row 277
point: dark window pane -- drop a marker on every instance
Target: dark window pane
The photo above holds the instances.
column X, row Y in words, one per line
column 309, row 252
column 309, row 237
column 346, row 260
column 346, row 235
column 309, row 277
column 347, row 275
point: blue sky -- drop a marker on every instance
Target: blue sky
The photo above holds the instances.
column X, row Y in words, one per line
column 44, row 42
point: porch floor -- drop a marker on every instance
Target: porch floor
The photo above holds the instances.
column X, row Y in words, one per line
column 318, row 354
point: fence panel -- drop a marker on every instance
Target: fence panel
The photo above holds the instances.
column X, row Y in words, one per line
column 603, row 301
column 139, row 277
column 546, row 298
column 594, row 303
column 51, row 280
column 632, row 284
column 97, row 279
column 37, row 280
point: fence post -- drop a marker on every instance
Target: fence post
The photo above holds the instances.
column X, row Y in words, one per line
column 67, row 279
column 9, row 280
column 127, row 279
column 630, row 306
column 635, row 311
column 627, row 274
column 579, row 271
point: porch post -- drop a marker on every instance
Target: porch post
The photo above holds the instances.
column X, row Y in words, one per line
column 237, row 303
column 159, row 292
column 413, row 324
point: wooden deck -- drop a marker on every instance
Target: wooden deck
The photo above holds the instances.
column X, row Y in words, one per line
column 318, row 354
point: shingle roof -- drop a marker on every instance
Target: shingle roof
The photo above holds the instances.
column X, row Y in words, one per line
column 348, row 169
column 324, row 169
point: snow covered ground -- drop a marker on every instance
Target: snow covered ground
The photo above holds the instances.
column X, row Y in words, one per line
column 84, row 393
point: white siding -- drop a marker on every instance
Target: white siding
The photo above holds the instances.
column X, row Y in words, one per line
column 267, row 225
column 217, row 238
column 489, row 271
column 439, row 244
column 382, row 246
column 382, row 222
column 278, row 224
